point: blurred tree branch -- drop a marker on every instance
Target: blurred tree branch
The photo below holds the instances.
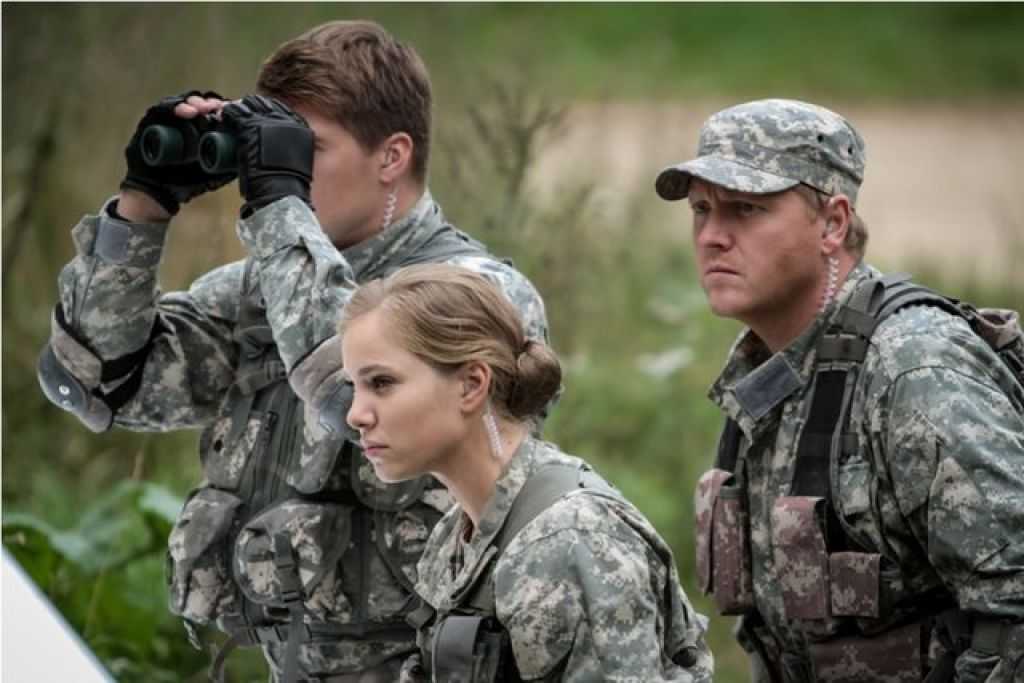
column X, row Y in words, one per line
column 19, row 210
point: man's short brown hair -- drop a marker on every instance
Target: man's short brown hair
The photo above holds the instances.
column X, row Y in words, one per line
column 359, row 75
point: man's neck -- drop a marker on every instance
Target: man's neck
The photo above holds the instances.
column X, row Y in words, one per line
column 780, row 328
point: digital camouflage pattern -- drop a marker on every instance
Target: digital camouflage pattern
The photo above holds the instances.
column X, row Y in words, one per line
column 111, row 301
column 769, row 146
column 584, row 589
column 934, row 495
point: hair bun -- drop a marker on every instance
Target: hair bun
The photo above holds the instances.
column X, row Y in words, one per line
column 538, row 379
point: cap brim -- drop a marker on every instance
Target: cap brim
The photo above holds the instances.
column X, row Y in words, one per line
column 674, row 182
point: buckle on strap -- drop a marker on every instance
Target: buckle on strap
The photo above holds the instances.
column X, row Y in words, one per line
column 284, row 562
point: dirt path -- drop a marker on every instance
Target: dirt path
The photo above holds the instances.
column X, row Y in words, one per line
column 943, row 186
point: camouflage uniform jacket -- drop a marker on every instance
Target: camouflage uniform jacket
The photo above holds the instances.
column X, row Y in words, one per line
column 111, row 306
column 936, row 487
column 582, row 588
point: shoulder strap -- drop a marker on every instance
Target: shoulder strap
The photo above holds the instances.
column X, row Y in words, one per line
column 542, row 490
column 840, row 355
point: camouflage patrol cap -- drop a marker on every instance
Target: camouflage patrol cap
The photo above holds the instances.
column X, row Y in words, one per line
column 769, row 146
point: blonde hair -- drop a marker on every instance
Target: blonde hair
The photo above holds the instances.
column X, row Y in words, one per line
column 448, row 316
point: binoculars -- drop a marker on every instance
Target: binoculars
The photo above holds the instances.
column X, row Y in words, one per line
column 182, row 143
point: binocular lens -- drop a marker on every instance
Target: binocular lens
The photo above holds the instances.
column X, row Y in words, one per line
column 162, row 145
column 217, row 153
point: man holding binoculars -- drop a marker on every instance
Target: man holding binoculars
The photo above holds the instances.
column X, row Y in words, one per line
column 291, row 543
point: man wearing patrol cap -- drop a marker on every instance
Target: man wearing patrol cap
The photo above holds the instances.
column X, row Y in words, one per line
column 865, row 514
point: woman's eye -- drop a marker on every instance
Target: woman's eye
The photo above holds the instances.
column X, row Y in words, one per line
column 381, row 383
column 700, row 208
column 746, row 208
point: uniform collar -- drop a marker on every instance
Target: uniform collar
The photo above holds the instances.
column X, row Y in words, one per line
column 755, row 381
column 369, row 258
column 476, row 553
column 506, row 489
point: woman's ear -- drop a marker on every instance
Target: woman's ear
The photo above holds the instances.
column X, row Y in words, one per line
column 395, row 157
column 475, row 380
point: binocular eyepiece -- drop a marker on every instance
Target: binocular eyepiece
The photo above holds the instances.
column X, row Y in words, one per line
column 215, row 150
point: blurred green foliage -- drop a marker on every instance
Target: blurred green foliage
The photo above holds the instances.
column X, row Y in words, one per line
column 88, row 514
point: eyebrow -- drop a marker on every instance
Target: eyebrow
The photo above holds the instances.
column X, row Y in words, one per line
column 368, row 369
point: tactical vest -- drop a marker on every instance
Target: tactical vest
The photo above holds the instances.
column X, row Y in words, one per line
column 467, row 644
column 848, row 606
column 285, row 539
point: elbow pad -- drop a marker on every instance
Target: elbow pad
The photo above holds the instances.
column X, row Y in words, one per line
column 318, row 381
column 64, row 390
column 73, row 377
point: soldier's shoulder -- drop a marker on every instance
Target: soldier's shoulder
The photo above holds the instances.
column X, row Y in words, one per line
column 582, row 516
column 925, row 336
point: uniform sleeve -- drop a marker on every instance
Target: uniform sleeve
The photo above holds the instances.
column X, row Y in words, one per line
column 305, row 283
column 582, row 606
column 955, row 451
column 113, row 327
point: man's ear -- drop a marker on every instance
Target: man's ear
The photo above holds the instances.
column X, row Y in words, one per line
column 475, row 380
column 395, row 157
column 837, row 215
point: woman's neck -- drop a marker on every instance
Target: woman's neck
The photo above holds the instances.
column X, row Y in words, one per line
column 470, row 474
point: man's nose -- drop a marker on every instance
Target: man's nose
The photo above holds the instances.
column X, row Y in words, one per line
column 712, row 233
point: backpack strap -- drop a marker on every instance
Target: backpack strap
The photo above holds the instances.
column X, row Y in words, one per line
column 542, row 490
column 840, row 356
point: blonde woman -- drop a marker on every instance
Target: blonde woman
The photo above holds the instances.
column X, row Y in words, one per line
column 541, row 571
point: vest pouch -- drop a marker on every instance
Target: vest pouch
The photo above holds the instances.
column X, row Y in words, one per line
column 801, row 558
column 319, row 451
column 704, row 500
column 377, row 495
column 317, row 534
column 894, row 656
column 230, row 443
column 731, row 582
column 855, row 581
column 403, row 535
column 198, row 577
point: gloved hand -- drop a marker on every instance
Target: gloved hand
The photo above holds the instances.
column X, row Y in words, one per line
column 170, row 185
column 275, row 151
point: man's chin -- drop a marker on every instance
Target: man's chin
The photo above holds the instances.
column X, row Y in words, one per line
column 725, row 306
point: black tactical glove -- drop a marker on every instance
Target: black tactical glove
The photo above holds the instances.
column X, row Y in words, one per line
column 275, row 151
column 170, row 185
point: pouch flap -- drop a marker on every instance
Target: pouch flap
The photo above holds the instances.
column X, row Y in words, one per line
column 801, row 558
column 318, row 534
column 855, row 580
column 732, row 581
column 704, row 500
